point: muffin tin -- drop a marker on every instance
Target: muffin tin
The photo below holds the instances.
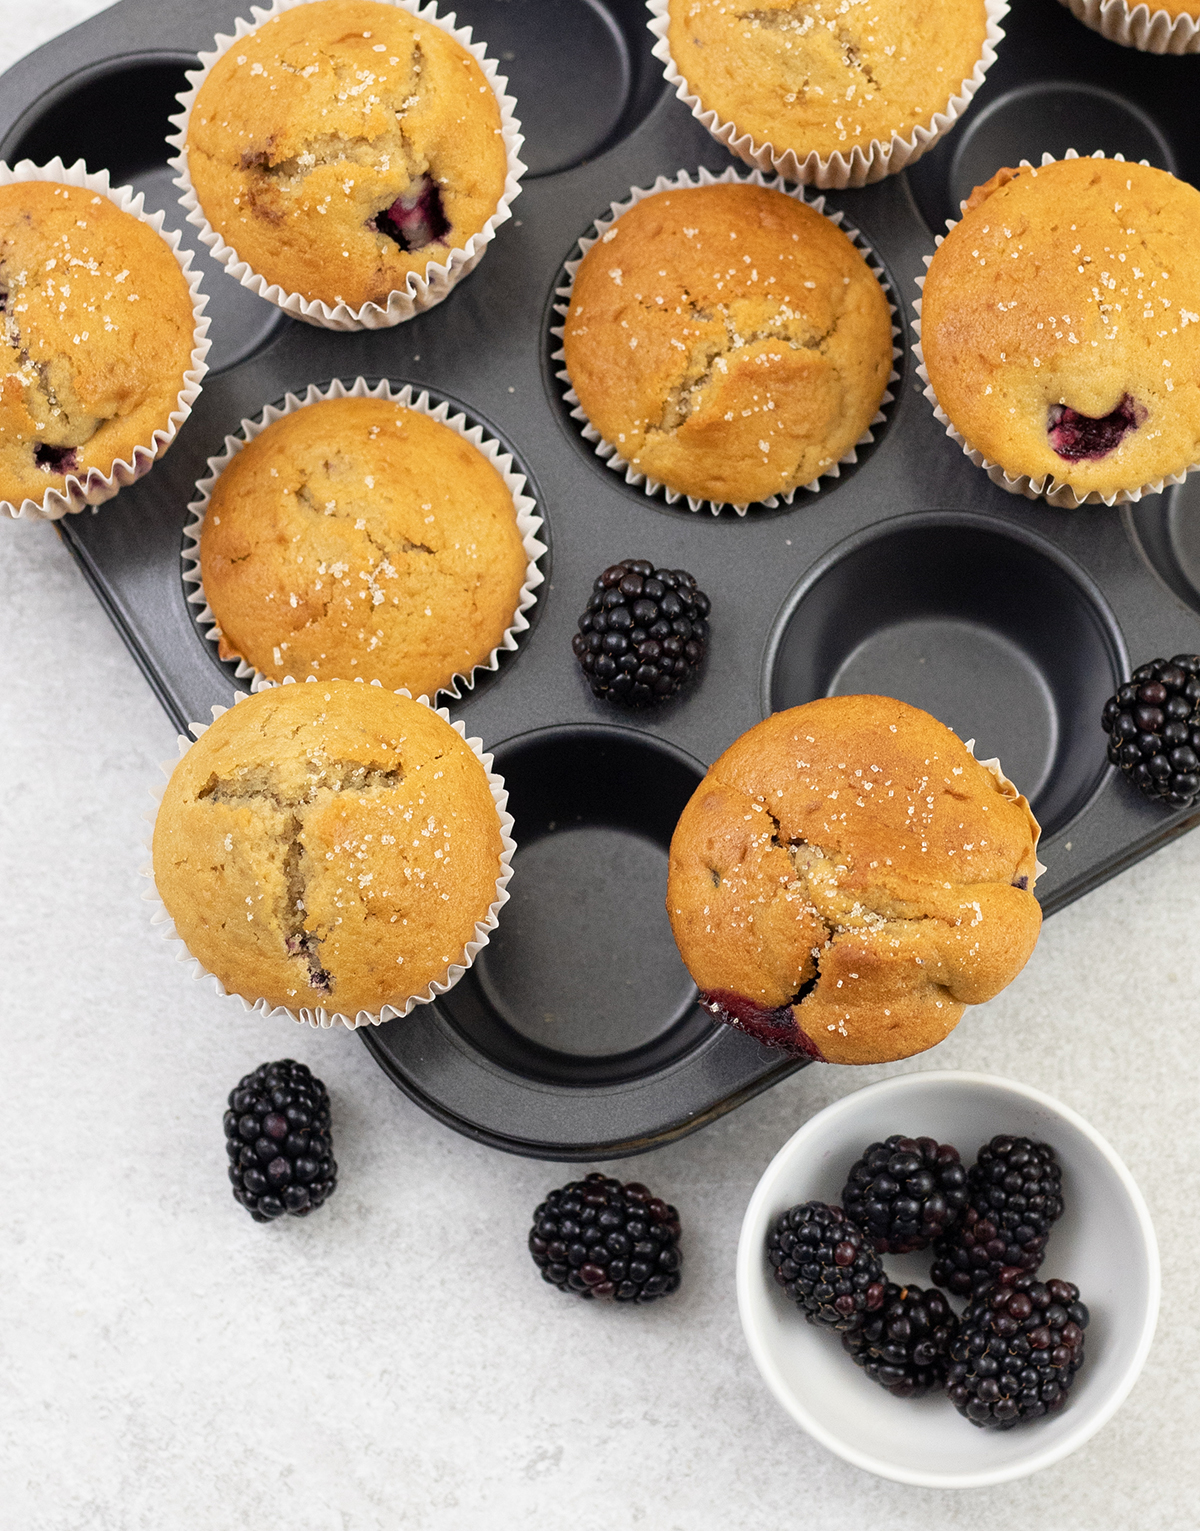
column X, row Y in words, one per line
column 577, row 1035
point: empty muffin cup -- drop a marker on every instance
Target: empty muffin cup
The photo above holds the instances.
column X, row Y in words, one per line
column 416, row 218
column 93, row 486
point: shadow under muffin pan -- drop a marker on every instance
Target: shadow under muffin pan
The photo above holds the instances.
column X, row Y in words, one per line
column 576, row 1035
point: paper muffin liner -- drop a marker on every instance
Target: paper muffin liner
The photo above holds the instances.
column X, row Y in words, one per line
column 1138, row 26
column 528, row 524
column 835, row 173
column 164, row 925
column 419, row 292
column 1014, row 795
column 605, row 449
column 95, row 487
column 1053, row 490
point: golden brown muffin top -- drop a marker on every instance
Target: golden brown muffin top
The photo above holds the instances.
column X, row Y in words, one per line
column 98, row 334
column 1060, row 323
column 826, row 75
column 728, row 340
column 358, row 537
column 328, row 845
column 854, row 852
column 309, row 136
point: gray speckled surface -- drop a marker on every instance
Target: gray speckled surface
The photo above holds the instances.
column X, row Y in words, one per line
column 394, row 1361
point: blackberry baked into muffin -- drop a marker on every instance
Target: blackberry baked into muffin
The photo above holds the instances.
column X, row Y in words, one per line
column 343, row 145
column 98, row 335
column 728, row 341
column 848, row 877
column 328, row 845
column 1060, row 324
column 826, row 77
column 356, row 536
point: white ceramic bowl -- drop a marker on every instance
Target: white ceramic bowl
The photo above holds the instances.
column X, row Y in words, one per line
column 1104, row 1242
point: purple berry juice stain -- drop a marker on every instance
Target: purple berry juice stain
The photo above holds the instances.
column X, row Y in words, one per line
column 1082, row 438
column 775, row 1028
column 56, row 459
column 415, row 219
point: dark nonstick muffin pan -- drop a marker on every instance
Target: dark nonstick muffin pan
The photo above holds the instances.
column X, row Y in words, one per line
column 577, row 1034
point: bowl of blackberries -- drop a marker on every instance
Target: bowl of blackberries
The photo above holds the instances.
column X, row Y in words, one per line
column 949, row 1279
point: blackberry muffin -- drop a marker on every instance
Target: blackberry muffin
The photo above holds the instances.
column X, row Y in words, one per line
column 343, row 145
column 358, row 537
column 728, row 341
column 1060, row 324
column 826, row 77
column 98, row 334
column 328, row 845
column 847, row 878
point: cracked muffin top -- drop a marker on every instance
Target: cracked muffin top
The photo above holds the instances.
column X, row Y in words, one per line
column 848, row 877
column 1060, row 323
column 358, row 537
column 826, row 75
column 728, row 340
column 330, row 845
column 343, row 145
column 98, row 334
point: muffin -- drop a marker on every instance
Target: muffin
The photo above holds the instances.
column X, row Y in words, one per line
column 848, row 877
column 357, row 536
column 728, row 341
column 329, row 845
column 826, row 78
column 99, row 329
column 1060, row 325
column 342, row 146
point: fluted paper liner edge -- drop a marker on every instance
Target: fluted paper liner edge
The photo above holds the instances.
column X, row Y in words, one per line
column 1138, row 26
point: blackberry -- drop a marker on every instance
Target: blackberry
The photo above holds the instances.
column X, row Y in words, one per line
column 1018, row 1348
column 1014, row 1195
column 1153, row 728
column 826, row 1265
column 599, row 1238
column 644, row 633
column 906, row 1192
column 278, row 1140
column 905, row 1346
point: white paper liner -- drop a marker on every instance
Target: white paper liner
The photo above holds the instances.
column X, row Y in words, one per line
column 1138, row 26
column 1054, row 491
column 95, row 487
column 1014, row 795
column 604, row 449
column 164, row 925
column 419, row 292
column 528, row 524
column 837, row 171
